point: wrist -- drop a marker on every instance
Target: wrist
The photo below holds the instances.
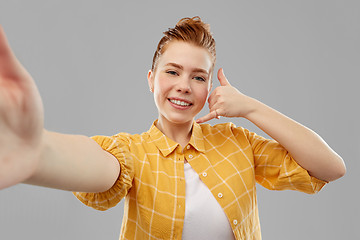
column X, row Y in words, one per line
column 253, row 106
column 37, row 151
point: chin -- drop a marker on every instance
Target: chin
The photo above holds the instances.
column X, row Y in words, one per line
column 178, row 118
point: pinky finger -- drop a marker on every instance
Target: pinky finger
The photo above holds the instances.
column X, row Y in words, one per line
column 207, row 117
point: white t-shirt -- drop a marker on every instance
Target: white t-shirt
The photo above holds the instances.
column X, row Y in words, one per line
column 204, row 218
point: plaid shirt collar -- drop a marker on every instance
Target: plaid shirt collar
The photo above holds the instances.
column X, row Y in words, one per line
column 167, row 145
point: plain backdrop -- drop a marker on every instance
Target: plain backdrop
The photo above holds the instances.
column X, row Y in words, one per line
column 90, row 60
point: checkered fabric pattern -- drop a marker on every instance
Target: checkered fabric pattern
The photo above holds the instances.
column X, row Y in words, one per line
column 229, row 160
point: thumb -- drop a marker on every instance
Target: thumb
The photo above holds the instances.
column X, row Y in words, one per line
column 4, row 45
column 9, row 65
column 222, row 79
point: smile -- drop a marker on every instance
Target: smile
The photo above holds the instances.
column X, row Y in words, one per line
column 180, row 103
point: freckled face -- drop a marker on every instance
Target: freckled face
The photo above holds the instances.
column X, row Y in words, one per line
column 181, row 82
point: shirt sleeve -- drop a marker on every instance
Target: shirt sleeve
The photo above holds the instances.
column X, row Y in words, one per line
column 275, row 169
column 117, row 146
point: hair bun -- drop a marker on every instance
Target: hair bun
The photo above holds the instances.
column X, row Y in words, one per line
column 194, row 21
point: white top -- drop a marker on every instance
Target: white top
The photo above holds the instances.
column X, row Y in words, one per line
column 204, row 218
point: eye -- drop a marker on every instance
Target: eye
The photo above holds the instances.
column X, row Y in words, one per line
column 171, row 72
column 199, row 79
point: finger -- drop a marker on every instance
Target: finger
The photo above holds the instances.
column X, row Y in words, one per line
column 5, row 49
column 215, row 106
column 222, row 79
column 211, row 100
column 211, row 96
column 217, row 109
column 207, row 117
column 10, row 67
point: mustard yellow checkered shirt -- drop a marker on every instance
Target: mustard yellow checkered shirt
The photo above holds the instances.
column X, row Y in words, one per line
column 228, row 159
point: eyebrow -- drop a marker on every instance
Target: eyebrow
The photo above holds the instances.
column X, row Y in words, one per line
column 182, row 68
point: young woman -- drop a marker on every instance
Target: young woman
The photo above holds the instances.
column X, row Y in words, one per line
column 181, row 179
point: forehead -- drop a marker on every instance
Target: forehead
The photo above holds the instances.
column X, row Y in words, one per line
column 186, row 55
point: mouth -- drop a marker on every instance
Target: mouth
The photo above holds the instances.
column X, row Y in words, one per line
column 180, row 103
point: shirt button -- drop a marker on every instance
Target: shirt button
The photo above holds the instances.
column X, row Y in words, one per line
column 235, row 222
column 188, row 147
column 190, row 156
column 204, row 174
column 220, row 195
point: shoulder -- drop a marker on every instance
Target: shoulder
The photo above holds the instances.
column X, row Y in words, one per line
column 119, row 139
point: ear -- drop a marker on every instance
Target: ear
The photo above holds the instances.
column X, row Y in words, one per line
column 150, row 77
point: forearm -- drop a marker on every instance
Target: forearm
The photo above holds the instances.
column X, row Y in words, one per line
column 74, row 163
column 307, row 148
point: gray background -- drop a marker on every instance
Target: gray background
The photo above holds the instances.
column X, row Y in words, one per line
column 90, row 60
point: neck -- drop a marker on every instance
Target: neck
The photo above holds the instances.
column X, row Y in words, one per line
column 180, row 133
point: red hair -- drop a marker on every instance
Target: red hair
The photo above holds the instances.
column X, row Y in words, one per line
column 190, row 30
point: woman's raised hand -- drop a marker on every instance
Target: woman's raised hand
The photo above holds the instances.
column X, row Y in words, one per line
column 21, row 119
column 226, row 101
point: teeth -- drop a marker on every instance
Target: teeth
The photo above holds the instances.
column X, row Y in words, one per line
column 181, row 103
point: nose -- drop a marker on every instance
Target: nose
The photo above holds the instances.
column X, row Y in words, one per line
column 183, row 86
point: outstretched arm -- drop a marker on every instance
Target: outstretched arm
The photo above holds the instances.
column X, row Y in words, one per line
column 28, row 153
column 307, row 148
column 75, row 163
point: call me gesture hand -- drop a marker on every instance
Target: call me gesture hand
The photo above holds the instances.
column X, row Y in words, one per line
column 21, row 118
column 226, row 101
column 308, row 149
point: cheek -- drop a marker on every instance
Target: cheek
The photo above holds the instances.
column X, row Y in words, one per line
column 202, row 96
column 161, row 87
